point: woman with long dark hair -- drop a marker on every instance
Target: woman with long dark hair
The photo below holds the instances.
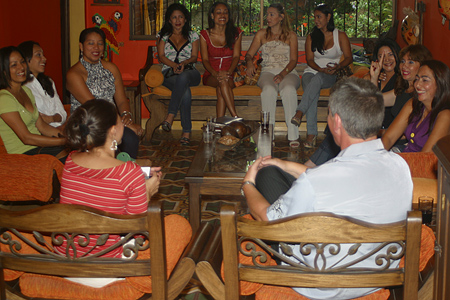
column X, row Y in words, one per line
column 220, row 47
column 94, row 78
column 324, row 47
column 425, row 118
column 43, row 88
column 279, row 51
column 178, row 51
column 22, row 129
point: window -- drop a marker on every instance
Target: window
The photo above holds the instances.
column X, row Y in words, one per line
column 358, row 18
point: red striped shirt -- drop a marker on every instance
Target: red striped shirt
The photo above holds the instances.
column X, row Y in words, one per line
column 120, row 190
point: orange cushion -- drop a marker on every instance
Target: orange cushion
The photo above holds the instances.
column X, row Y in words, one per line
column 29, row 177
column 26, row 249
column 246, row 287
column 427, row 240
column 52, row 287
column 271, row 292
column 421, row 164
column 154, row 78
column 178, row 233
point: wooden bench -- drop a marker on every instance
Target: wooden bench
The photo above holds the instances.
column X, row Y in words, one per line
column 247, row 98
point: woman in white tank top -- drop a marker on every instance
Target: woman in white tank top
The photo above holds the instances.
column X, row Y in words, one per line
column 324, row 47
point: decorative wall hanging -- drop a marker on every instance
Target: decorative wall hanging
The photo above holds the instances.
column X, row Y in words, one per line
column 411, row 27
column 444, row 9
column 110, row 28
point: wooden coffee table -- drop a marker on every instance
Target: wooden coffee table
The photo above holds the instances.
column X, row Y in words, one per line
column 216, row 170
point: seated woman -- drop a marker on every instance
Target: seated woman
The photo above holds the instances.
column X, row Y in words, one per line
column 22, row 129
column 411, row 58
column 43, row 88
column 94, row 78
column 279, row 51
column 220, row 48
column 178, row 50
column 94, row 130
column 425, row 118
column 324, row 48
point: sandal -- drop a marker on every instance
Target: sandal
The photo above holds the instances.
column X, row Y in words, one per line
column 184, row 141
column 294, row 144
column 296, row 121
column 166, row 126
column 310, row 144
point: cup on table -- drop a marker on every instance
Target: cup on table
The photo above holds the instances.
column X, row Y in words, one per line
column 265, row 117
column 210, row 123
column 208, row 133
column 426, row 207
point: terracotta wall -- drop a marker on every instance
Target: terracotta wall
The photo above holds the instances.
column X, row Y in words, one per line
column 33, row 20
column 436, row 36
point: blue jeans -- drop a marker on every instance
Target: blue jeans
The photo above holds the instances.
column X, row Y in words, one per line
column 312, row 84
column 181, row 95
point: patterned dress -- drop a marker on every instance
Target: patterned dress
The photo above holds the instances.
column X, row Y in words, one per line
column 100, row 83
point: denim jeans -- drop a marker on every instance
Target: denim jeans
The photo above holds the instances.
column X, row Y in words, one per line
column 181, row 95
column 312, row 84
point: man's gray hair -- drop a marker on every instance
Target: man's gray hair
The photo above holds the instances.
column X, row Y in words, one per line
column 360, row 105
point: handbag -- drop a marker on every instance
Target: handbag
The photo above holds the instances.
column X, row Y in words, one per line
column 343, row 73
column 241, row 77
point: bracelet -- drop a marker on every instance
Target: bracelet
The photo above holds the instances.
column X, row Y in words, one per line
column 245, row 183
column 126, row 113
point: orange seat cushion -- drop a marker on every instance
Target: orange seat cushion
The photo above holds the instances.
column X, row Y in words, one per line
column 178, row 233
column 421, row 164
column 29, row 176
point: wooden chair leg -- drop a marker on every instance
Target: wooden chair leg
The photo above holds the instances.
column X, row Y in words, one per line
column 158, row 112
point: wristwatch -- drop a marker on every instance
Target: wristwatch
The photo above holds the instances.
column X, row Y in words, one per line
column 245, row 183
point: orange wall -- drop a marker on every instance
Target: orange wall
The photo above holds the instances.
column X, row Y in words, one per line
column 436, row 37
column 33, row 20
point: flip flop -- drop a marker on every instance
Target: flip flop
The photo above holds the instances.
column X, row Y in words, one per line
column 166, row 126
column 184, row 141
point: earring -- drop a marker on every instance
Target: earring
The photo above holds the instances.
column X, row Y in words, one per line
column 81, row 52
column 113, row 145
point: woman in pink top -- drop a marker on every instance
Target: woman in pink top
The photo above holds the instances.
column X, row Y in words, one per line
column 220, row 48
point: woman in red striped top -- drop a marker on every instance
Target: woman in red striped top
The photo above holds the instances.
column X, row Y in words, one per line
column 94, row 177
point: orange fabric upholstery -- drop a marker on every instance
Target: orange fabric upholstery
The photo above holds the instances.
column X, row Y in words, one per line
column 26, row 249
column 28, row 177
column 178, row 234
column 271, row 292
column 421, row 164
column 427, row 240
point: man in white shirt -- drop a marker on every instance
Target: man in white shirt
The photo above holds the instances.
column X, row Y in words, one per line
column 364, row 181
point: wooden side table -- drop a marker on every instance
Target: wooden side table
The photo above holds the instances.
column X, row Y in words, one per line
column 134, row 95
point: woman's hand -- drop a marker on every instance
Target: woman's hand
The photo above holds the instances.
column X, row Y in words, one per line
column 222, row 76
column 251, row 70
column 179, row 68
column 332, row 68
column 152, row 184
column 278, row 78
column 136, row 128
column 375, row 69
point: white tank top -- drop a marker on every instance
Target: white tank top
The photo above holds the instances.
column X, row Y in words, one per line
column 331, row 55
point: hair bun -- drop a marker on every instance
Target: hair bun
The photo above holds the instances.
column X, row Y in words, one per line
column 84, row 130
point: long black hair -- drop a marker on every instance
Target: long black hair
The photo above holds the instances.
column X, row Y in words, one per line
column 231, row 31
column 441, row 100
column 167, row 28
column 317, row 36
column 44, row 80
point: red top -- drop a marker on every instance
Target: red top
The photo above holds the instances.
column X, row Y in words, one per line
column 219, row 57
column 119, row 190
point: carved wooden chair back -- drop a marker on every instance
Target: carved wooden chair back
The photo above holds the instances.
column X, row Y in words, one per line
column 73, row 222
column 325, row 233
